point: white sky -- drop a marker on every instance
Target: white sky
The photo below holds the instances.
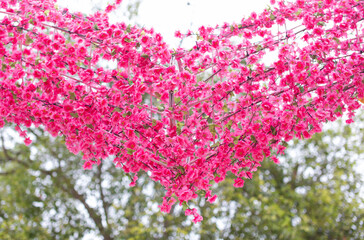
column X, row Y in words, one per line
column 167, row 16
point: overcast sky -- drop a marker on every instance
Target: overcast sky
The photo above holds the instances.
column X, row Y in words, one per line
column 167, row 16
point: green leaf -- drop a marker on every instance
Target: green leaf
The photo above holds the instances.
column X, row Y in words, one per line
column 185, row 206
column 72, row 95
column 130, row 151
column 74, row 114
column 272, row 17
column 28, row 40
column 339, row 109
column 201, row 193
column 225, row 108
column 37, row 60
column 179, row 126
column 46, row 12
column 229, row 124
column 212, row 128
column 253, row 139
column 117, row 109
column 128, row 29
column 160, row 108
column 128, row 40
column 181, row 169
column 236, row 139
column 336, row 40
column 273, row 130
column 302, row 89
column 14, row 95
column 299, row 11
column 157, row 95
column 215, row 145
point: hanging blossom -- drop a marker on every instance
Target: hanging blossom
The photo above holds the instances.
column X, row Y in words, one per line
column 185, row 116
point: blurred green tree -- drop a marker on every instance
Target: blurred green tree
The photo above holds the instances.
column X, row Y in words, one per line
column 313, row 194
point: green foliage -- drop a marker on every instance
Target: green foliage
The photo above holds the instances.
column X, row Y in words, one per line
column 313, row 194
column 46, row 187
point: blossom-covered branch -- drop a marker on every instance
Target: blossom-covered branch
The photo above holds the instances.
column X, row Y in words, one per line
column 186, row 116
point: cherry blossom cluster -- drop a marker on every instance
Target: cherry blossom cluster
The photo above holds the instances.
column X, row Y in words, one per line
column 187, row 117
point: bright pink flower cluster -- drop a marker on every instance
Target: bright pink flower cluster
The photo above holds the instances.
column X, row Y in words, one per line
column 185, row 116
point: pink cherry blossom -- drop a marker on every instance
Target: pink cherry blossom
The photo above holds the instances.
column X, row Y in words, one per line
column 154, row 113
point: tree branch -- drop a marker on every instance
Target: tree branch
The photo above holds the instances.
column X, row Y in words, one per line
column 105, row 205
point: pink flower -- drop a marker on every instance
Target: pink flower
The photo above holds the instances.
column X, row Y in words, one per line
column 178, row 34
column 87, row 165
column 69, row 87
column 27, row 141
column 238, row 183
column 133, row 183
column 82, row 51
column 130, row 144
column 300, row 66
column 117, row 33
column 306, row 134
column 198, row 218
column 109, row 8
column 190, row 211
column 215, row 44
column 103, row 35
column 275, row 159
column 267, row 106
column 318, row 31
column 349, row 121
column 71, row 50
column 212, row 199
column 145, row 39
column 68, row 108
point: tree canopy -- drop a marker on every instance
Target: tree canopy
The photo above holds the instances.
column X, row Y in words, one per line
column 154, row 112
column 313, row 194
